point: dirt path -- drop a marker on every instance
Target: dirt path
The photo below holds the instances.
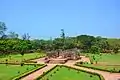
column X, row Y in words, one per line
column 36, row 74
column 106, row 75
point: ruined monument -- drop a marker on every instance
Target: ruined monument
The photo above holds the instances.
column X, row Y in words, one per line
column 61, row 56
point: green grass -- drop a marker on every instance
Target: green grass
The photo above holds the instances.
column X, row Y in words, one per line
column 108, row 59
column 19, row 57
column 103, row 67
column 110, row 62
column 65, row 73
column 7, row 72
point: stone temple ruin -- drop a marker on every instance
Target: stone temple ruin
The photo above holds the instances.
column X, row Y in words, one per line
column 61, row 57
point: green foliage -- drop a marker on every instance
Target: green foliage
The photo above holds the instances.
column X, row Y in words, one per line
column 12, row 44
column 69, row 73
column 94, row 50
column 3, row 28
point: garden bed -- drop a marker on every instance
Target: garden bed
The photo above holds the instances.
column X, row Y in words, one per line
column 69, row 73
column 17, row 71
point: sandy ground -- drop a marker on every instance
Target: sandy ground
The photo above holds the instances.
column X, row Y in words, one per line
column 106, row 75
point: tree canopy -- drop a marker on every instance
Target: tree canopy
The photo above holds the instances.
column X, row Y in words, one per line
column 11, row 43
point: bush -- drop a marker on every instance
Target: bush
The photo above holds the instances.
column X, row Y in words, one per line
column 38, row 50
column 35, row 65
column 57, row 69
column 54, row 71
column 18, row 72
column 81, row 62
column 90, row 75
column 22, row 64
column 27, row 68
column 119, row 71
column 51, row 75
column 95, row 50
column 6, row 60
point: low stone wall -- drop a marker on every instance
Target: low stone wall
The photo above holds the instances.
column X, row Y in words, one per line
column 59, row 61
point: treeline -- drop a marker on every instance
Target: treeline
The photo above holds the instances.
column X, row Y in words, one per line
column 11, row 43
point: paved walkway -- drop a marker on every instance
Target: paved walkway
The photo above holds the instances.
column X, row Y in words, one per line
column 106, row 75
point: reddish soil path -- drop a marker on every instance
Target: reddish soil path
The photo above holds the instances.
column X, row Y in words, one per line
column 36, row 74
column 106, row 75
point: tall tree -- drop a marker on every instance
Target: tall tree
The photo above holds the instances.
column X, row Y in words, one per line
column 26, row 36
column 63, row 37
column 13, row 35
column 3, row 28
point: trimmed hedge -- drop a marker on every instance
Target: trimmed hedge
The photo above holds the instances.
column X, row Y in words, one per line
column 30, row 61
column 100, row 76
column 97, row 68
column 26, row 61
column 27, row 73
column 24, row 64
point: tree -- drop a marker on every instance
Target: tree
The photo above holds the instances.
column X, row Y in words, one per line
column 63, row 37
column 26, row 36
column 87, row 41
column 94, row 50
column 3, row 28
column 116, row 48
column 13, row 35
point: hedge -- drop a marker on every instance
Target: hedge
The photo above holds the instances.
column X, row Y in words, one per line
column 100, row 76
column 27, row 73
column 36, row 58
column 97, row 68
column 22, row 62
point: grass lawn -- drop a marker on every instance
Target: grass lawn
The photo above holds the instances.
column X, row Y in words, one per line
column 103, row 67
column 65, row 73
column 110, row 62
column 109, row 59
column 19, row 57
column 7, row 72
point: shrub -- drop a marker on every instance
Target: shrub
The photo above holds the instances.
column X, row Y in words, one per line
column 35, row 65
column 57, row 69
column 54, row 71
column 90, row 75
column 27, row 68
column 119, row 71
column 81, row 62
column 6, row 60
column 22, row 64
column 18, row 72
column 95, row 50
column 68, row 68
column 38, row 50
column 51, row 75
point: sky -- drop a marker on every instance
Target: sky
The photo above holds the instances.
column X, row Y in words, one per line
column 45, row 18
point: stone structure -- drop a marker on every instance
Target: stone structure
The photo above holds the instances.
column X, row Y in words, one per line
column 61, row 56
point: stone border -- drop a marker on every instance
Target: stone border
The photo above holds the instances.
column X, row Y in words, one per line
column 100, row 76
